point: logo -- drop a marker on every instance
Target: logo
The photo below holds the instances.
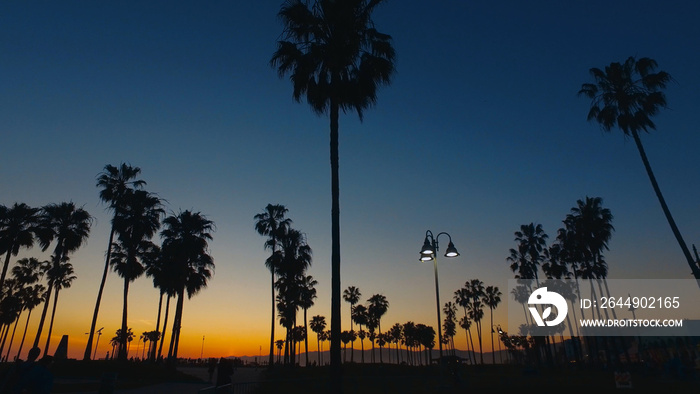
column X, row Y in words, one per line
column 543, row 297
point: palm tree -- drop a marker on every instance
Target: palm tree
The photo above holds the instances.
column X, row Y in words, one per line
column 273, row 224
column 337, row 59
column 396, row 333
column 186, row 239
column 352, row 296
column 449, row 325
column 531, row 241
column 318, row 324
column 60, row 277
column 10, row 310
column 492, row 297
column 69, row 226
column 360, row 316
column 115, row 182
column 308, row 294
column 280, row 344
column 18, row 229
column 378, row 305
column 136, row 223
column 626, row 95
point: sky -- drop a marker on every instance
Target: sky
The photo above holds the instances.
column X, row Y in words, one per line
column 480, row 131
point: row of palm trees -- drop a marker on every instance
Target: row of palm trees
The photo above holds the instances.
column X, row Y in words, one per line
column 62, row 225
column 180, row 266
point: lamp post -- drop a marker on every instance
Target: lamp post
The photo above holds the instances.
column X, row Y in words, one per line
column 429, row 252
column 500, row 332
column 99, row 334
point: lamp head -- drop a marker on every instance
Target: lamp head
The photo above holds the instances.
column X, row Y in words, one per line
column 451, row 250
column 427, row 250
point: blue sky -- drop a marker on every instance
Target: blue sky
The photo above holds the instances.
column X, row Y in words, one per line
column 481, row 131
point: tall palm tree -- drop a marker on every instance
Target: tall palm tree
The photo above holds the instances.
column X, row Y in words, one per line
column 378, row 305
column 337, row 59
column 115, row 183
column 69, row 226
column 492, row 297
column 32, row 296
column 318, row 324
column 352, row 296
column 136, row 223
column 273, row 224
column 18, row 229
column 60, row 277
column 475, row 308
column 626, row 95
column 308, row 294
column 186, row 239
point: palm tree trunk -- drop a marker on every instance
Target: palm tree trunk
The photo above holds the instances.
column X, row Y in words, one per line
column 153, row 345
column 336, row 367
column 693, row 266
column 123, row 354
column 272, row 325
column 88, row 347
column 493, row 349
column 21, row 344
column 352, row 343
column 177, row 323
column 53, row 313
column 43, row 315
column 165, row 327
column 12, row 338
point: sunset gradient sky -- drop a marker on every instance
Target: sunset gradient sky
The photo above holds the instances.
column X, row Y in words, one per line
column 481, row 131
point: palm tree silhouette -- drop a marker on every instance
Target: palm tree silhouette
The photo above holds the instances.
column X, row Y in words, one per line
column 352, row 296
column 10, row 310
column 492, row 297
column 337, row 59
column 32, row 296
column 306, row 301
column 626, row 95
column 360, row 315
column 60, row 277
column 280, row 344
column 136, row 223
column 186, row 239
column 318, row 324
column 18, row 229
column 449, row 325
column 69, row 226
column 378, row 305
column 273, row 224
column 531, row 241
column 115, row 182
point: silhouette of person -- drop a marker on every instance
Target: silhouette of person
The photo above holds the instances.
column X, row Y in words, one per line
column 39, row 377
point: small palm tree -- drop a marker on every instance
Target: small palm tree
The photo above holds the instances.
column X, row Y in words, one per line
column 18, row 229
column 306, row 301
column 492, row 297
column 626, row 95
column 69, row 226
column 337, row 59
column 318, row 324
column 116, row 183
column 525, row 260
column 360, row 316
column 378, row 305
column 352, row 295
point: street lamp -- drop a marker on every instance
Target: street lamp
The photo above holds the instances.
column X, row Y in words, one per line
column 500, row 332
column 429, row 252
column 99, row 334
